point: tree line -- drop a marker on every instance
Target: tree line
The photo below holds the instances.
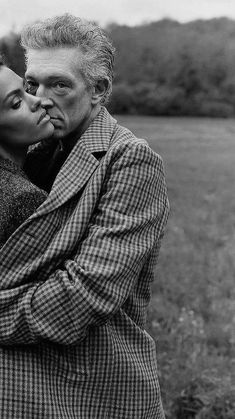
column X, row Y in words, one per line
column 165, row 67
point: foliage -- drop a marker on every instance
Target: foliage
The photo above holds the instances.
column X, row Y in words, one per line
column 166, row 68
column 13, row 53
column 176, row 69
column 222, row 407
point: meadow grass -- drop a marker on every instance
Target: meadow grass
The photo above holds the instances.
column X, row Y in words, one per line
column 192, row 313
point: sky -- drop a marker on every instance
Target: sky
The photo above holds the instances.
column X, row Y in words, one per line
column 15, row 13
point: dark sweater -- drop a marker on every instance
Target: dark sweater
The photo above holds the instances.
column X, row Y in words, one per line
column 19, row 198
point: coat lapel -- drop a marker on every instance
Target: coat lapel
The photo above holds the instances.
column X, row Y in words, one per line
column 80, row 164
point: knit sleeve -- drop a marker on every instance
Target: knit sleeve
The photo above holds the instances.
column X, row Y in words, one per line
column 17, row 208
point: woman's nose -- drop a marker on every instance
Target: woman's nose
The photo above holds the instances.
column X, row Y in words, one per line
column 43, row 94
column 35, row 103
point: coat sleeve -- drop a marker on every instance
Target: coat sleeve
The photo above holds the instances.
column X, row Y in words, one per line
column 93, row 285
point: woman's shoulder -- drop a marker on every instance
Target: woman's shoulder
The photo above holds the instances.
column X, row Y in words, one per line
column 14, row 182
column 17, row 190
column 19, row 198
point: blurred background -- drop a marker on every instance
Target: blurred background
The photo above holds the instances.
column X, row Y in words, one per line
column 175, row 86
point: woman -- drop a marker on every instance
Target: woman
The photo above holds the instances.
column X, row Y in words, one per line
column 22, row 122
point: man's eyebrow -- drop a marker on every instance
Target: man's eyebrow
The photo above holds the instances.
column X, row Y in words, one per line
column 48, row 78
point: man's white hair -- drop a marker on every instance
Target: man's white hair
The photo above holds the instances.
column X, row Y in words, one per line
column 70, row 31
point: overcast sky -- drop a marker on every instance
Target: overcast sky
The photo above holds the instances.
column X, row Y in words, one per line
column 14, row 13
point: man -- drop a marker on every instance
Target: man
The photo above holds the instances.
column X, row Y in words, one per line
column 75, row 277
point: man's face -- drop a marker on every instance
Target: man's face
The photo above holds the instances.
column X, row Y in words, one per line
column 53, row 75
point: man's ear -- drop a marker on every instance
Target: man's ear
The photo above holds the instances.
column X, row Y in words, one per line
column 99, row 91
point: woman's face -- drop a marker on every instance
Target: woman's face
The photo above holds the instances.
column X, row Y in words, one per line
column 22, row 119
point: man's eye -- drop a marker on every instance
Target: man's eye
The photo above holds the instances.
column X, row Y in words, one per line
column 30, row 87
column 60, row 85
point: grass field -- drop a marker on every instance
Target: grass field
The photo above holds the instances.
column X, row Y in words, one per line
column 192, row 314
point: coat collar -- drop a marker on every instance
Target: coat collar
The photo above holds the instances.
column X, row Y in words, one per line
column 97, row 137
column 81, row 162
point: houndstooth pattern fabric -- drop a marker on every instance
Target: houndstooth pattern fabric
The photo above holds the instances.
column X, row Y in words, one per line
column 75, row 286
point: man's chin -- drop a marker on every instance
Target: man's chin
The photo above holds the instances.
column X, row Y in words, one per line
column 57, row 134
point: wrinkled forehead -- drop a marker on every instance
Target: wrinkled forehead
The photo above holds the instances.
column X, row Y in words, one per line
column 50, row 61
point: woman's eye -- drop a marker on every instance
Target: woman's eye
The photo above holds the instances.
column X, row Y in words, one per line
column 16, row 104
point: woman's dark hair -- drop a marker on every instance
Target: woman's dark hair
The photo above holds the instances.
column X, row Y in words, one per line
column 2, row 60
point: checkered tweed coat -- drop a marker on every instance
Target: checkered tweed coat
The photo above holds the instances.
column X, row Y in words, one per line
column 75, row 286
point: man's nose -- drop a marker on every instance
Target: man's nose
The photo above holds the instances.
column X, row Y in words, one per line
column 42, row 93
column 46, row 103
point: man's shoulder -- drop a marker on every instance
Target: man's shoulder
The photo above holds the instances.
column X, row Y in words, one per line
column 124, row 140
column 125, row 135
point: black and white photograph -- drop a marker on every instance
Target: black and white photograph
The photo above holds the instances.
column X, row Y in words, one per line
column 117, row 209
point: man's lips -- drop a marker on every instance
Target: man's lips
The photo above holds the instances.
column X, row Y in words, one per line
column 56, row 121
column 55, row 118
